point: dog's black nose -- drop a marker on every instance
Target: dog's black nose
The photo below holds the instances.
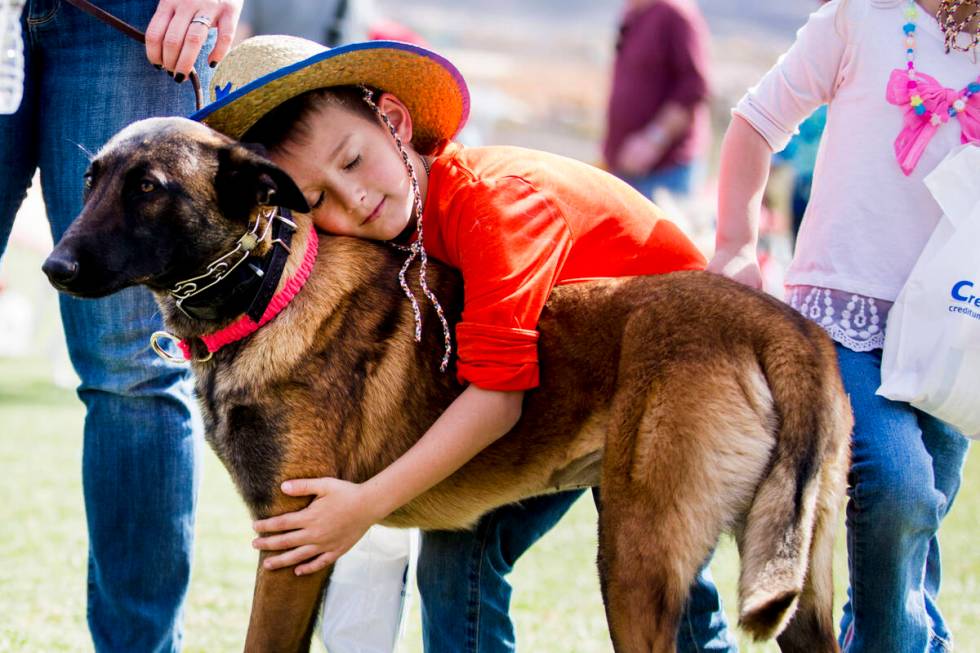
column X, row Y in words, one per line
column 61, row 270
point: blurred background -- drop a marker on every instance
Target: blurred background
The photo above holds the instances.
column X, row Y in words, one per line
column 539, row 73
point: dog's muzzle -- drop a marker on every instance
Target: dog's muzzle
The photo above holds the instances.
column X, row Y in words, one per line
column 60, row 270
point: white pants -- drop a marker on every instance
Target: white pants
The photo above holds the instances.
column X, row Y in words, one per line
column 369, row 592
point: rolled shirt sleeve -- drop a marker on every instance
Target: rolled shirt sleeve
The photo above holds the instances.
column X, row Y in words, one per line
column 803, row 78
column 513, row 248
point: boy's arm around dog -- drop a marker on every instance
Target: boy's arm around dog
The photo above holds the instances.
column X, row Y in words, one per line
column 342, row 511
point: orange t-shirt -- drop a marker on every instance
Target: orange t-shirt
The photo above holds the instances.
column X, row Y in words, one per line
column 516, row 223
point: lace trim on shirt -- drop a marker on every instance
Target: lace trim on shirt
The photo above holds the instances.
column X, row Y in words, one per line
column 855, row 321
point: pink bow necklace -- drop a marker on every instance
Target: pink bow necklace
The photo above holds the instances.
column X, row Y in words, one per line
column 927, row 104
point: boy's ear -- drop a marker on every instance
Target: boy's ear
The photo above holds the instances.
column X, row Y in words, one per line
column 398, row 114
column 245, row 180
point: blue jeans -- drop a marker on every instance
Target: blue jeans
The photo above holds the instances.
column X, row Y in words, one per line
column 85, row 81
column 679, row 180
column 905, row 471
column 466, row 598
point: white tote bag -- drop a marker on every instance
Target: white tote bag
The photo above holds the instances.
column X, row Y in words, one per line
column 368, row 593
column 931, row 357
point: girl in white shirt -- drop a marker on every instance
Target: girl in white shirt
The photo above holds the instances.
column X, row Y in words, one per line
column 902, row 84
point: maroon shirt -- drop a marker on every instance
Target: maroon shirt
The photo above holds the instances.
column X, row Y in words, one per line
column 661, row 56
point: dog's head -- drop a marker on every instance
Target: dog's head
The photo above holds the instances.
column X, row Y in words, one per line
column 163, row 198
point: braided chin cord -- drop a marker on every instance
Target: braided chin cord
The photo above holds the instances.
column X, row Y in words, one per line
column 952, row 28
column 416, row 249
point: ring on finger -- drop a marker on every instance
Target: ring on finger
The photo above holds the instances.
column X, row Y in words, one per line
column 203, row 20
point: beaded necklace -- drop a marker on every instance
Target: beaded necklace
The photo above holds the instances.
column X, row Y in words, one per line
column 915, row 100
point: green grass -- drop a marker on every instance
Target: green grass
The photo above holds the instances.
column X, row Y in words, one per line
column 556, row 598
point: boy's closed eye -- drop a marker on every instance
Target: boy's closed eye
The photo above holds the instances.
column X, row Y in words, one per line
column 350, row 165
column 353, row 163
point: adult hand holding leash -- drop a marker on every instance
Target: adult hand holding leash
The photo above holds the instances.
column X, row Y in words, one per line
column 179, row 29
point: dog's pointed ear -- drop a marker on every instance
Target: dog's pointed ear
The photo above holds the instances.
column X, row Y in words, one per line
column 246, row 179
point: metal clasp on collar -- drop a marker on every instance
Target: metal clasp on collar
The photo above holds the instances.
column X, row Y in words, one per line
column 225, row 264
column 166, row 355
column 289, row 223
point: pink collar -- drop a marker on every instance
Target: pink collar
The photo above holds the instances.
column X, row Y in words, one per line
column 245, row 325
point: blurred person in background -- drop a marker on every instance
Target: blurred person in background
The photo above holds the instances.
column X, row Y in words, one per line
column 84, row 82
column 657, row 121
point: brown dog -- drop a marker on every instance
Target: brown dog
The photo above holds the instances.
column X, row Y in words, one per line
column 697, row 404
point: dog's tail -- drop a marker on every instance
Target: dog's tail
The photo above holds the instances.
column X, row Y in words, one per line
column 785, row 517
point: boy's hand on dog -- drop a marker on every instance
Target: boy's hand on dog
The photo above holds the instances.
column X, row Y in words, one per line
column 179, row 29
column 319, row 534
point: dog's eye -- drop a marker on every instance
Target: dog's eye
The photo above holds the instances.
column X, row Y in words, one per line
column 87, row 180
column 147, row 186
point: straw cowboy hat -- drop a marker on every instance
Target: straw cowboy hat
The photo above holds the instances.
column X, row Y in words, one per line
column 264, row 71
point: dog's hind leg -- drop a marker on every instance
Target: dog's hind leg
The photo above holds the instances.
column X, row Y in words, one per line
column 669, row 487
column 644, row 581
column 284, row 610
